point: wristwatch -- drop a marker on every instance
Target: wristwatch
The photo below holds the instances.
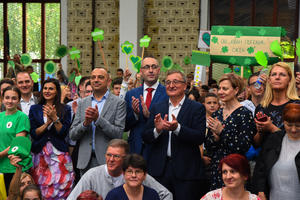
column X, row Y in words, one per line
column 56, row 121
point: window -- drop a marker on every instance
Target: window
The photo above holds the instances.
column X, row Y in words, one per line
column 31, row 27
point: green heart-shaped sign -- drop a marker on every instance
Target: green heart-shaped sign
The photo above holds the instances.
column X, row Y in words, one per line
column 135, row 59
column 144, row 42
column 74, row 53
column 50, row 67
column 127, row 47
column 137, row 66
column 61, row 51
column 206, row 38
column 25, row 59
column 97, row 34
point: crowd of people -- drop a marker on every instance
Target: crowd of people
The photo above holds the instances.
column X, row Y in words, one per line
column 139, row 138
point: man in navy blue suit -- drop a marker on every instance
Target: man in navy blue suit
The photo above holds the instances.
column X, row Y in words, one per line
column 175, row 130
column 139, row 102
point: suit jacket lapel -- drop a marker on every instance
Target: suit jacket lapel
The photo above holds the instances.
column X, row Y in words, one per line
column 159, row 90
column 106, row 104
column 183, row 109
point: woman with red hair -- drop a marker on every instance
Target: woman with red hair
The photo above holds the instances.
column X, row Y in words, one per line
column 235, row 171
column 277, row 170
column 89, row 195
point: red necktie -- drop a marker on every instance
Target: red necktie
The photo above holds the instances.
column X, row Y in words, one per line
column 149, row 97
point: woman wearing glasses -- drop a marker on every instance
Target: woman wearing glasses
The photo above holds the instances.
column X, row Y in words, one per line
column 134, row 172
column 231, row 128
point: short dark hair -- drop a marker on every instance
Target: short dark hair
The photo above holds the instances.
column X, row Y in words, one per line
column 116, row 81
column 7, row 81
column 32, row 188
column 205, row 87
column 120, row 70
column 119, row 143
column 82, row 80
column 252, row 75
column 238, row 162
column 135, row 161
column 87, row 84
column 22, row 72
column 13, row 88
column 210, row 94
column 211, row 82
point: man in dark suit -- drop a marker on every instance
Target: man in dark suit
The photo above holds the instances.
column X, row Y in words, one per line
column 175, row 130
column 140, row 100
column 100, row 117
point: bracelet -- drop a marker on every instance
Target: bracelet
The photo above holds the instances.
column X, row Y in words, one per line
column 56, row 121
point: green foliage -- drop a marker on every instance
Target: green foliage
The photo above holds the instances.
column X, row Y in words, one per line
column 33, row 32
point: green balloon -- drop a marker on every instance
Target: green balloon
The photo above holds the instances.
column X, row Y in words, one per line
column 25, row 59
column 167, row 62
column 61, row 51
column 50, row 67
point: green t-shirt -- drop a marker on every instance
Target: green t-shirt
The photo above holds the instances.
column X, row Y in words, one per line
column 10, row 126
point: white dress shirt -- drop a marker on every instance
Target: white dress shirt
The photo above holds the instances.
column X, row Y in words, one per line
column 173, row 110
column 25, row 106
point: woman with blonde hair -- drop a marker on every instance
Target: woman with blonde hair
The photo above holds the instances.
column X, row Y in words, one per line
column 280, row 90
column 231, row 128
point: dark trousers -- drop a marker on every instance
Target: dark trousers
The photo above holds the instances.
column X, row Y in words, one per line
column 7, row 179
column 181, row 189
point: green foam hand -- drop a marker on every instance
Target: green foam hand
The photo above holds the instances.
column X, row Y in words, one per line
column 261, row 58
column 97, row 34
column 25, row 59
column 61, row 51
column 74, row 53
column 145, row 41
column 50, row 67
column 11, row 63
column 167, row 63
column 276, row 48
column 127, row 47
column 35, row 77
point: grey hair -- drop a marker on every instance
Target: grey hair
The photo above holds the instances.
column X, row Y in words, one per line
column 177, row 72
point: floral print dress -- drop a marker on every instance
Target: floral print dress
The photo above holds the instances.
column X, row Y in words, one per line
column 236, row 137
column 217, row 195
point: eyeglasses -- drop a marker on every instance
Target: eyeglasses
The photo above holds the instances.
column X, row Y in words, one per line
column 148, row 66
column 252, row 84
column 136, row 172
column 114, row 156
column 175, row 82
